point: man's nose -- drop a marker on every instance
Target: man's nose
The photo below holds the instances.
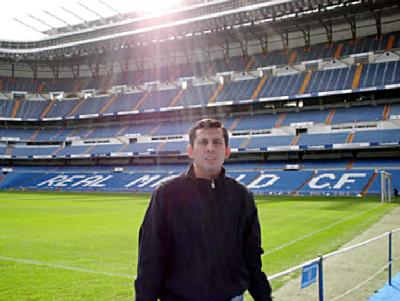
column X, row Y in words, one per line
column 210, row 147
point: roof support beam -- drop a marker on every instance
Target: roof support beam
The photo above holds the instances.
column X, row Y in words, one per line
column 55, row 68
column 242, row 40
column 75, row 15
column 285, row 40
column 139, row 62
column 110, row 68
column 352, row 22
column 264, row 43
column 34, row 70
column 378, row 22
column 189, row 55
column 57, row 18
column 244, row 45
column 94, row 69
column 93, row 12
column 75, row 71
column 124, row 66
column 328, row 31
column 40, row 21
column 306, row 36
column 225, row 50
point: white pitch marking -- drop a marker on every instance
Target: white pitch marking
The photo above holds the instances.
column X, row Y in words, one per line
column 63, row 267
column 316, row 231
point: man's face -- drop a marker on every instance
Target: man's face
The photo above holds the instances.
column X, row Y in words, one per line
column 208, row 152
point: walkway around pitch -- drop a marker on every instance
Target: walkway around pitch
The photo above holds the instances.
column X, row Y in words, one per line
column 388, row 292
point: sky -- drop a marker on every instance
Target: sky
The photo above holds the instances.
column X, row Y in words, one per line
column 46, row 14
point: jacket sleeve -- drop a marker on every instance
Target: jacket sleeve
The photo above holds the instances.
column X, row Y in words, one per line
column 152, row 246
column 259, row 286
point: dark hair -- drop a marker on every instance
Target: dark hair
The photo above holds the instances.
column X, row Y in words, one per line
column 207, row 124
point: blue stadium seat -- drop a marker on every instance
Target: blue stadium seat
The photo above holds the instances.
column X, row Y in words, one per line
column 320, row 139
column 383, row 136
column 355, row 114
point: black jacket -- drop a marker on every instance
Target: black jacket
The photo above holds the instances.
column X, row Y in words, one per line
column 200, row 241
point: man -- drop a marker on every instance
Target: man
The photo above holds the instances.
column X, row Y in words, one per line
column 200, row 238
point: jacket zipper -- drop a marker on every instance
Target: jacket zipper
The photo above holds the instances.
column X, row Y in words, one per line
column 212, row 184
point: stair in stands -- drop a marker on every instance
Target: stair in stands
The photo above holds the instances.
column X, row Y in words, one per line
column 176, row 98
column 155, row 129
column 109, row 103
column 259, row 87
column 34, row 135
column 1, row 85
column 47, row 109
column 88, row 133
column 9, row 150
column 160, row 146
column 295, row 139
column 55, row 82
column 329, row 118
column 370, row 182
column 386, row 111
column 123, row 148
column 245, row 142
column 175, row 73
column 15, row 108
column 74, row 133
column 78, row 86
column 280, row 120
column 234, row 123
column 350, row 164
column 213, row 97
column 34, row 85
column 41, row 87
column 292, row 57
column 57, row 151
column 139, row 78
column 57, row 134
column 89, row 149
column 390, row 42
column 76, row 107
column 250, row 64
column 305, row 82
column 119, row 133
column 107, row 83
column 338, row 51
column 357, row 76
column 350, row 137
column 211, row 67
column 296, row 191
column 141, row 101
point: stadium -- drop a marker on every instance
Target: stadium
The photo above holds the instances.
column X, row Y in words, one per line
column 94, row 115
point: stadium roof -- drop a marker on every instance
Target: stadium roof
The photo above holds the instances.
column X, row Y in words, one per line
column 194, row 25
column 26, row 20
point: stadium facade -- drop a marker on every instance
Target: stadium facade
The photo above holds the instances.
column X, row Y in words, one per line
column 308, row 89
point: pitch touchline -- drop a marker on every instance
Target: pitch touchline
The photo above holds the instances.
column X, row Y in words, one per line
column 59, row 266
column 316, row 231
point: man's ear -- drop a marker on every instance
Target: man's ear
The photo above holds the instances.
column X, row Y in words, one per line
column 189, row 151
column 227, row 152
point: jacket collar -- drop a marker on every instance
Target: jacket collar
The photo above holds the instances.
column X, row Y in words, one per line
column 190, row 173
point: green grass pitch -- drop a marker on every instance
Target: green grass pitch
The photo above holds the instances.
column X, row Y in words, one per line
column 70, row 246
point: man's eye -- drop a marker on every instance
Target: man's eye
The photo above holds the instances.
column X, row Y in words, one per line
column 217, row 142
column 203, row 142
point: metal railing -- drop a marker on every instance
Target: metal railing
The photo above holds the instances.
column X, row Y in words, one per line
column 319, row 261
